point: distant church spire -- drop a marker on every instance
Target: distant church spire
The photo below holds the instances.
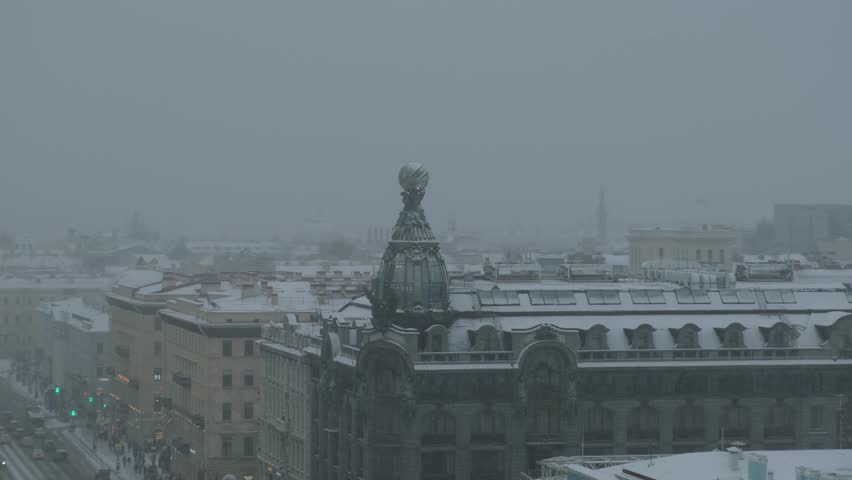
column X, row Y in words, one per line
column 601, row 216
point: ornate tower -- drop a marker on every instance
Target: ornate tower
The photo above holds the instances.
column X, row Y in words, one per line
column 411, row 285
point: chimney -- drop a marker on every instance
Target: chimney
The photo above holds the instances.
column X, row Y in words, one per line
column 734, row 456
column 169, row 280
column 209, row 285
column 248, row 289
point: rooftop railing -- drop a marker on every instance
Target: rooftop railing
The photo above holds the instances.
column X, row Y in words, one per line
column 472, row 357
column 694, row 354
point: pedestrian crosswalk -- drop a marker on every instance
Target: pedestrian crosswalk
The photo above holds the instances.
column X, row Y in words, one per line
column 20, row 466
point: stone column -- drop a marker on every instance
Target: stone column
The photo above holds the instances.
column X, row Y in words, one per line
column 831, row 417
column 517, row 437
column 620, row 416
column 714, row 408
column 410, row 437
column 463, row 460
column 802, row 421
column 756, row 411
column 666, row 408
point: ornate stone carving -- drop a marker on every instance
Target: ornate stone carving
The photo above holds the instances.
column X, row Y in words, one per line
column 545, row 332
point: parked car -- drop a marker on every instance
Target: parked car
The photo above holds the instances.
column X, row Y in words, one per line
column 5, row 438
column 27, row 441
column 102, row 474
column 6, row 416
column 19, row 433
column 38, row 454
column 39, row 432
column 60, row 455
column 48, row 446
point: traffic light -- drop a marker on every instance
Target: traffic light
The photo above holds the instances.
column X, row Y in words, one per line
column 56, row 390
column 91, row 399
column 105, row 405
column 73, row 413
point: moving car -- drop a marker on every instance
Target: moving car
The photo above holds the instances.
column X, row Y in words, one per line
column 27, row 441
column 19, row 433
column 48, row 446
column 39, row 432
column 38, row 454
column 60, row 455
column 2, row 462
column 6, row 416
column 102, row 474
column 5, row 438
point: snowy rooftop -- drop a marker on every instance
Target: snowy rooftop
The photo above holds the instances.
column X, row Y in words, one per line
column 57, row 281
column 717, row 466
column 291, row 296
column 139, row 278
column 79, row 314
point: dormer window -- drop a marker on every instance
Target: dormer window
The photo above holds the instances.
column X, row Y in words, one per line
column 731, row 336
column 686, row 336
column 595, row 338
column 486, row 339
column 642, row 337
column 436, row 339
column 779, row 335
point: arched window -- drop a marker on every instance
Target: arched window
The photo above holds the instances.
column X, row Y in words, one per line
column 488, row 426
column 779, row 335
column 597, row 424
column 386, row 382
column 595, row 338
column 438, row 427
column 736, row 422
column 436, row 339
column 689, row 422
column 642, row 337
column 732, row 336
column 487, row 339
column 644, row 425
column 687, row 336
column 779, row 421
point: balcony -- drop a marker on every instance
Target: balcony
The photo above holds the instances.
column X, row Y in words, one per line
column 182, row 379
column 643, row 435
column 597, row 435
column 438, row 439
column 783, row 431
column 689, row 434
column 122, row 351
column 464, row 357
column 699, row 355
column 487, row 438
column 543, row 438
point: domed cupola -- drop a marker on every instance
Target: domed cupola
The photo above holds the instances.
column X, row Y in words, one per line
column 412, row 278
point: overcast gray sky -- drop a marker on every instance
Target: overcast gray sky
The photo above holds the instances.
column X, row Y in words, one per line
column 251, row 116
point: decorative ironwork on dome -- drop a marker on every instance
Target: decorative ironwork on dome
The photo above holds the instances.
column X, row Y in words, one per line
column 412, row 277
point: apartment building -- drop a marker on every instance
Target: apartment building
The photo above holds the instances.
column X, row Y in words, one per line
column 285, row 425
column 23, row 328
column 706, row 245
column 211, row 372
column 79, row 345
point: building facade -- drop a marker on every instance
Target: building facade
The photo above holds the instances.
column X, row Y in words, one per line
column 212, row 372
column 24, row 329
column 79, row 345
column 417, row 381
column 287, row 396
column 799, row 227
column 707, row 245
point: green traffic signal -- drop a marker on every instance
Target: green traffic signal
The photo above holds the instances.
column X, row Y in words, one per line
column 105, row 405
column 56, row 390
column 91, row 399
column 73, row 413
